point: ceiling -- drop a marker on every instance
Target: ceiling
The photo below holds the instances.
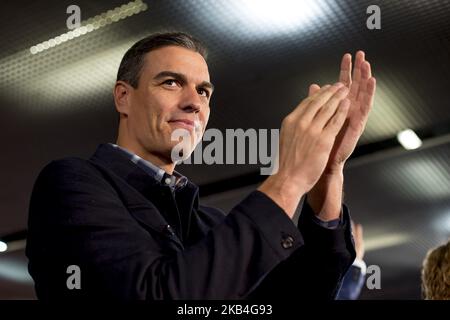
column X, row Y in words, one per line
column 58, row 102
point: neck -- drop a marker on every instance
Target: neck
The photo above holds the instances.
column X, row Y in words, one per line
column 157, row 160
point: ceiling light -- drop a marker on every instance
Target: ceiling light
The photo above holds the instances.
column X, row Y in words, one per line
column 3, row 246
column 281, row 13
column 385, row 240
column 409, row 139
column 442, row 224
column 262, row 19
column 91, row 24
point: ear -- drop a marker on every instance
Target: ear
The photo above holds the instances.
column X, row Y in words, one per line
column 122, row 95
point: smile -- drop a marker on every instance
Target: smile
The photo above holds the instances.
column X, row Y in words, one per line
column 184, row 123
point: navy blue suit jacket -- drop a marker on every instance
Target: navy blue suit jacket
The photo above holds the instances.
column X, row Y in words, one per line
column 109, row 218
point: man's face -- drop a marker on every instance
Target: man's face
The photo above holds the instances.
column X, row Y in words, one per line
column 173, row 93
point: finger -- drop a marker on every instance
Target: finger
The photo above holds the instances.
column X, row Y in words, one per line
column 345, row 75
column 337, row 121
column 313, row 89
column 359, row 59
column 318, row 101
column 302, row 107
column 365, row 70
column 359, row 231
column 365, row 75
column 329, row 109
column 368, row 96
column 359, row 241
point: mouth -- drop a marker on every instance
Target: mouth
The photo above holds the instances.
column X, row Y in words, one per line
column 185, row 123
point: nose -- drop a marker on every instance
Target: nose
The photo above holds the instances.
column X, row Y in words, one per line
column 191, row 101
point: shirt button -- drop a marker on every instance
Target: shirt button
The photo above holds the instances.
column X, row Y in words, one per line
column 287, row 242
column 167, row 181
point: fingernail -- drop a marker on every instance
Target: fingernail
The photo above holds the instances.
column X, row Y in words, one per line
column 338, row 84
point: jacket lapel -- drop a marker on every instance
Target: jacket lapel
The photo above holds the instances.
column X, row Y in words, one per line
column 136, row 188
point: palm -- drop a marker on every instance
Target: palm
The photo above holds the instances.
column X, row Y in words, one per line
column 361, row 94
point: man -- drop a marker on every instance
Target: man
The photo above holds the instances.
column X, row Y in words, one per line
column 133, row 227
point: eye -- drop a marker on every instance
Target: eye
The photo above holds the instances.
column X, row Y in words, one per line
column 170, row 82
column 203, row 92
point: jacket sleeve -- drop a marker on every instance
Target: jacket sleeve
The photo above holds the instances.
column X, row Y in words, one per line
column 317, row 268
column 77, row 218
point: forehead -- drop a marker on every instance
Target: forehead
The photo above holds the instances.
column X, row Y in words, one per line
column 176, row 59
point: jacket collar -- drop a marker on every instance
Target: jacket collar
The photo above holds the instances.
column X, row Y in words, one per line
column 107, row 156
column 152, row 191
column 175, row 180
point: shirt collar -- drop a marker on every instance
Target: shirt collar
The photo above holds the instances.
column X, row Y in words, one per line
column 176, row 181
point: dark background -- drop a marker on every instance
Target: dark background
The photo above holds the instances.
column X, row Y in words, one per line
column 262, row 59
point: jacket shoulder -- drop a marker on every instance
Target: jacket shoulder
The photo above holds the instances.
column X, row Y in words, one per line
column 67, row 167
column 69, row 173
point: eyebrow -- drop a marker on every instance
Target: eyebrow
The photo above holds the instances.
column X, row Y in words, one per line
column 182, row 78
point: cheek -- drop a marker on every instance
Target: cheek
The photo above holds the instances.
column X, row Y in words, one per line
column 205, row 118
column 157, row 112
column 165, row 104
column 147, row 118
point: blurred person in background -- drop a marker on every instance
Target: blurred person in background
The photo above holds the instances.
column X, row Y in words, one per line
column 436, row 273
column 355, row 276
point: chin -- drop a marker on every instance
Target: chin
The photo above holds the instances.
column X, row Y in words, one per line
column 179, row 152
